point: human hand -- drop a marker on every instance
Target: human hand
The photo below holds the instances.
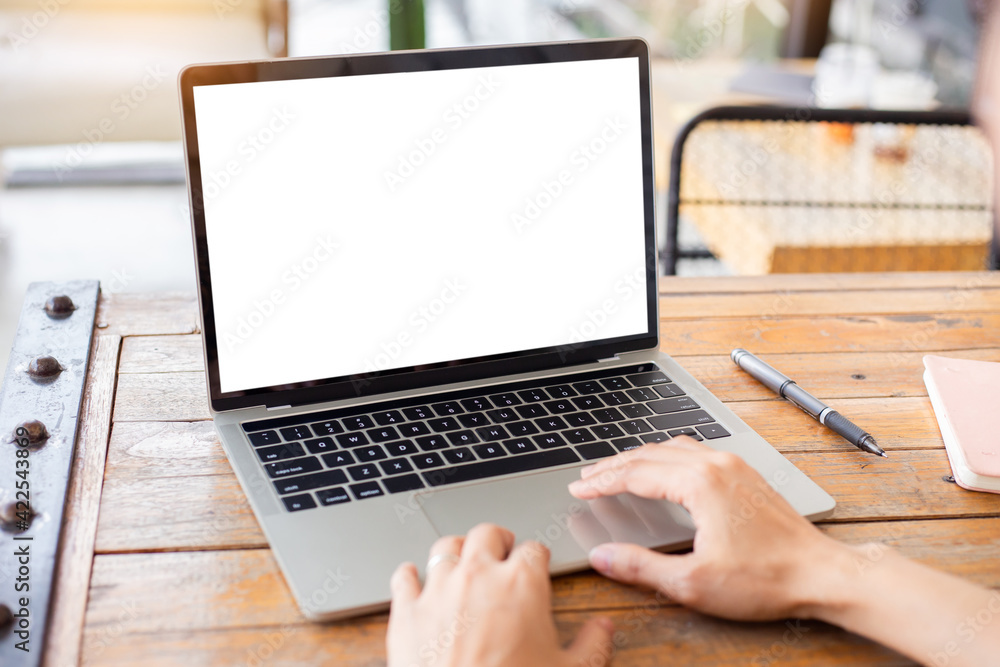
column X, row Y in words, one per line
column 754, row 557
column 485, row 603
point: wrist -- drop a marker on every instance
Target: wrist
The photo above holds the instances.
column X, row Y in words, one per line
column 834, row 575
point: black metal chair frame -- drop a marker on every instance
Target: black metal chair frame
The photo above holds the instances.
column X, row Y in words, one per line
column 670, row 253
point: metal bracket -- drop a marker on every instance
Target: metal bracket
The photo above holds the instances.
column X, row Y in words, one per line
column 39, row 415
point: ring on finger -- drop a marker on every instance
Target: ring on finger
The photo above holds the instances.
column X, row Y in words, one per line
column 440, row 558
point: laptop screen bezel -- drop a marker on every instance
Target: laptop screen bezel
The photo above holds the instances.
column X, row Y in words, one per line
column 391, row 380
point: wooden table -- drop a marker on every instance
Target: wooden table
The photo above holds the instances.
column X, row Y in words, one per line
column 179, row 572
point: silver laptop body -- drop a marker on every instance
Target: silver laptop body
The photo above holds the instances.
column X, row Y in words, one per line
column 428, row 297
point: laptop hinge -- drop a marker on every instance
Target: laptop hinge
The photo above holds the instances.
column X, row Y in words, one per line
column 277, row 407
column 614, row 358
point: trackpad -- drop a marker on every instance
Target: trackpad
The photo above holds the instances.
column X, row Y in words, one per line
column 539, row 507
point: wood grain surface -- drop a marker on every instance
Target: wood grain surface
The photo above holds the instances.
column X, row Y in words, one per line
column 182, row 574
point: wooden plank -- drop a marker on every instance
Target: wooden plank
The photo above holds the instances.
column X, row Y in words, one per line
column 162, row 354
column 783, row 304
column 140, row 450
column 83, row 497
column 810, row 282
column 869, row 333
column 145, row 314
column 162, row 397
column 211, row 512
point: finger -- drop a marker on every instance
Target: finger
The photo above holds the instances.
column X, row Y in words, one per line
column 489, row 540
column 592, row 645
column 649, row 479
column 405, row 585
column 632, row 564
column 663, row 451
column 533, row 554
column 685, row 442
column 444, row 556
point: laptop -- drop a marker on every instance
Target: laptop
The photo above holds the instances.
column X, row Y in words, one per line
column 428, row 291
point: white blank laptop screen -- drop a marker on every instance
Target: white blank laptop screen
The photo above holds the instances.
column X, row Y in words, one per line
column 377, row 222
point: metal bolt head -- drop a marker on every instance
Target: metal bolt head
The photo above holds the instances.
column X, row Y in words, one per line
column 59, row 307
column 10, row 522
column 33, row 430
column 44, row 368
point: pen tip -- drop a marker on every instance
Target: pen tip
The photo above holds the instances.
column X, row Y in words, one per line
column 884, row 455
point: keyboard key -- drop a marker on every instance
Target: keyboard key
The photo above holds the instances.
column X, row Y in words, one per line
column 476, row 404
column 615, row 398
column 501, row 466
column 690, row 432
column 333, row 496
column 388, row 418
column 289, row 450
column 401, row 447
column 491, row 433
column 348, row 440
column 635, row 410
column 713, row 431
column 306, row 482
column 335, row 459
column 522, row 428
column 549, row 440
column 579, row 435
column 519, row 446
column 327, row 428
column 293, row 467
column 505, row 400
column 642, row 394
column 296, row 433
column 669, row 390
column 358, row 423
column 444, row 424
column 363, row 472
column 560, row 407
column 414, row 429
column 589, row 387
column 419, row 412
column 561, row 391
column 635, row 426
column 646, row 379
column 607, row 431
column 296, row 503
column 678, row 419
column 262, row 438
column 551, row 424
column 459, row 455
column 612, row 384
column 447, row 408
column 404, row 483
column 595, row 450
column 371, row 453
column 668, row 405
column 320, row 445
column 587, row 403
column 424, row 461
column 533, row 395
column 503, row 415
column 531, row 411
column 366, row 490
column 490, row 450
column 462, row 438
column 383, row 434
column 580, row 419
column 473, row 419
column 625, row 444
column 608, row 415
column 432, row 442
column 396, row 466
column 655, row 437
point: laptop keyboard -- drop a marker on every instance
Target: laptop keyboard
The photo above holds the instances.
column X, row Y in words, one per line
column 350, row 454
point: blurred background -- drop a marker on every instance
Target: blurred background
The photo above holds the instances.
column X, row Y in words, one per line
column 92, row 173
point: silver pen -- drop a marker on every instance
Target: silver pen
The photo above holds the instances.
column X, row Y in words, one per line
column 812, row 406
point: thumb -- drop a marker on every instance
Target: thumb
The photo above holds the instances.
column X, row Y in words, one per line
column 593, row 646
column 632, row 564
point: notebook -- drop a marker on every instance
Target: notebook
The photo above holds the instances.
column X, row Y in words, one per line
column 964, row 395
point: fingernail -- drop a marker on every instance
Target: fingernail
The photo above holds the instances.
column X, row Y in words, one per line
column 600, row 558
column 585, row 470
column 606, row 623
